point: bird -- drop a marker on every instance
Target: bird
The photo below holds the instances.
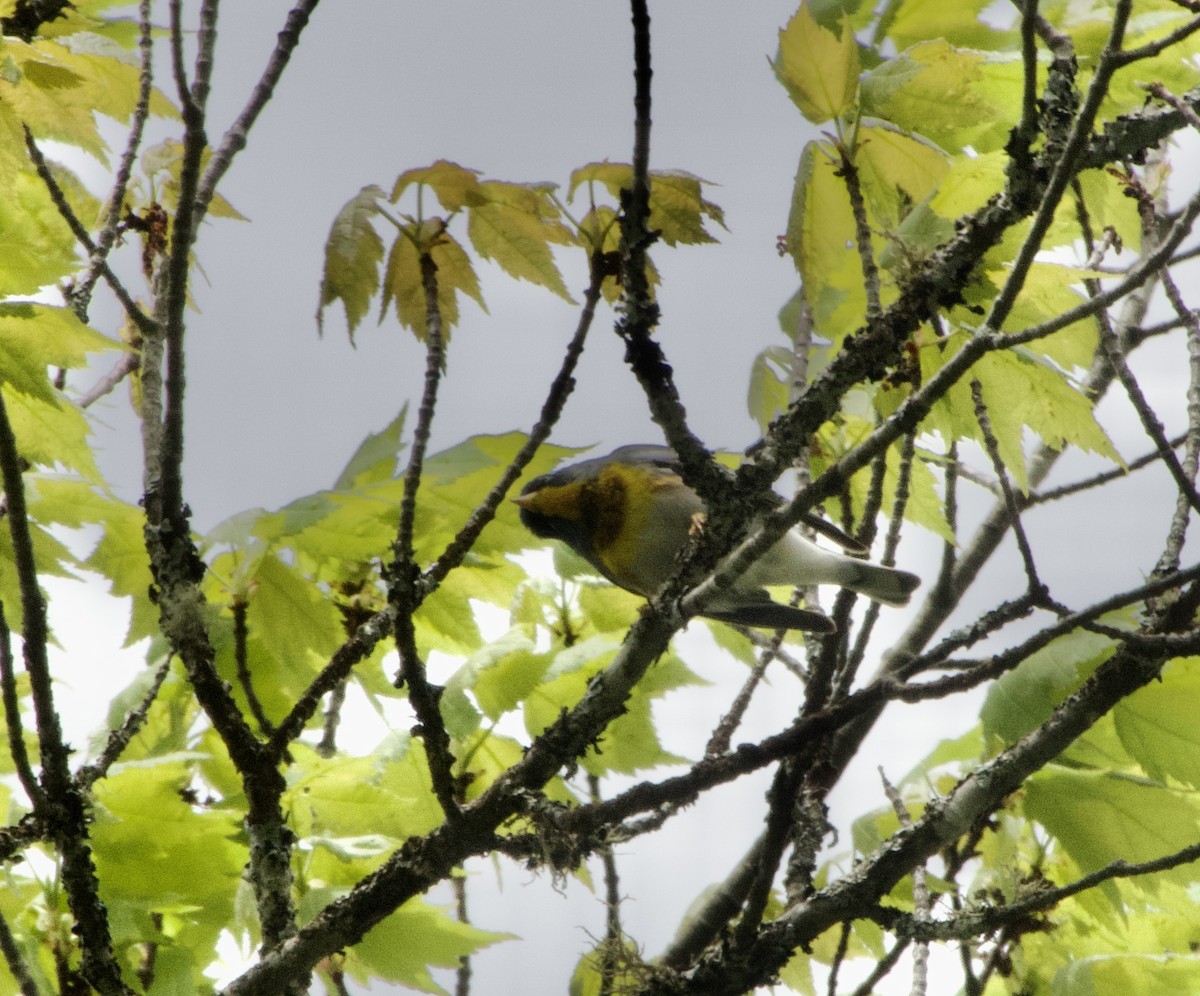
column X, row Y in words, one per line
column 629, row 514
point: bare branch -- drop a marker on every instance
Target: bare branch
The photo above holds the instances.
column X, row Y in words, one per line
column 144, row 322
column 234, row 139
column 404, row 572
column 64, row 809
column 82, row 292
column 15, row 961
column 119, row 738
column 12, row 718
column 981, row 922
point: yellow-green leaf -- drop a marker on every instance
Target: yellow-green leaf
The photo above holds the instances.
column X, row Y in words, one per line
column 817, row 67
column 935, row 90
column 35, row 337
column 454, row 185
column 1101, row 817
column 352, row 255
column 892, row 163
column 515, row 225
column 821, row 234
column 404, row 286
column 678, row 208
column 1157, row 724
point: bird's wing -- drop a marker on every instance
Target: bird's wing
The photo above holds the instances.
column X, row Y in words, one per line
column 758, row 609
column 830, row 531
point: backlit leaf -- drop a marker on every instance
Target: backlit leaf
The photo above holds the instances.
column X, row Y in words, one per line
column 353, row 252
column 817, row 67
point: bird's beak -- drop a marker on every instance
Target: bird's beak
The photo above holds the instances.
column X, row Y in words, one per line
column 524, row 500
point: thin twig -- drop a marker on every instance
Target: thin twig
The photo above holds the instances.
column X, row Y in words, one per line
column 1027, row 129
column 360, row 645
column 891, row 543
column 1010, row 499
column 15, row 961
column 974, row 923
column 12, row 718
column 126, row 365
column 403, row 574
column 1150, row 421
column 327, row 746
column 920, row 886
column 1100, row 479
column 234, row 139
column 1159, row 45
column 1064, row 164
column 882, row 968
column 462, row 974
column 556, row 399
column 82, row 292
column 848, row 171
column 718, row 743
column 144, row 322
column 119, row 738
column 640, row 312
column 1005, row 660
column 839, row 957
column 614, row 935
column 781, row 803
column 241, row 641
column 65, row 812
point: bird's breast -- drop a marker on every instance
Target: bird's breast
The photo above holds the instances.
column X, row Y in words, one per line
column 639, row 524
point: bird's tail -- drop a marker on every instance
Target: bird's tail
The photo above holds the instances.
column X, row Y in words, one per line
column 881, row 584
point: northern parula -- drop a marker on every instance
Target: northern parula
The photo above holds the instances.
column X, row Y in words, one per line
column 629, row 514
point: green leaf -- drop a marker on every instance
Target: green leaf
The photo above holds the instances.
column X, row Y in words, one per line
column 287, row 612
column 1020, row 391
column 120, row 555
column 957, row 753
column 353, row 252
column 454, row 185
column 820, row 227
column 376, row 458
column 1131, row 974
column 39, row 247
column 1046, row 293
column 51, row 435
column 896, row 169
column 962, row 23
column 770, row 384
column 59, row 93
column 514, row 225
column 386, row 794
column 678, row 208
column 613, row 967
column 35, row 337
column 1024, row 698
column 937, row 91
column 164, row 164
column 149, row 842
column 817, row 67
column 416, row 936
column 631, row 741
column 502, row 674
column 1101, row 817
column 1157, row 724
column 403, row 282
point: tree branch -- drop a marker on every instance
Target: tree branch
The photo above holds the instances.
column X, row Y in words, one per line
column 63, row 808
column 234, row 139
column 404, row 572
